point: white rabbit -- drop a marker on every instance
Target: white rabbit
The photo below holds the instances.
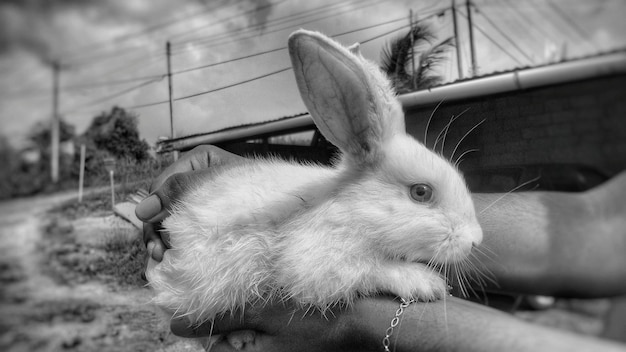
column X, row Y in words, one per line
column 321, row 236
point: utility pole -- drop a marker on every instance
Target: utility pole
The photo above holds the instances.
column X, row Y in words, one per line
column 457, row 42
column 413, row 83
column 168, row 52
column 55, row 128
column 468, row 5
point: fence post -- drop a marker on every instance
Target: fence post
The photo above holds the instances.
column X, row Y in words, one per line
column 81, row 177
column 109, row 164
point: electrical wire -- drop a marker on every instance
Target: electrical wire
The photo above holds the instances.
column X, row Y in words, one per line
column 528, row 20
column 114, row 95
column 267, row 24
column 484, row 33
column 282, row 48
column 226, row 19
column 549, row 18
column 503, row 34
column 112, row 82
column 573, row 24
column 247, row 80
column 92, row 57
column 150, row 29
column 251, row 79
column 212, row 44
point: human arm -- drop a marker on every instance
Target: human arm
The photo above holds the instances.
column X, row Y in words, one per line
column 452, row 324
column 554, row 243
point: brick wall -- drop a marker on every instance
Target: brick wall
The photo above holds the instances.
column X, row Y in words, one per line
column 581, row 122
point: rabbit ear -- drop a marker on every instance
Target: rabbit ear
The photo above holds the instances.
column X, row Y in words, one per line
column 348, row 97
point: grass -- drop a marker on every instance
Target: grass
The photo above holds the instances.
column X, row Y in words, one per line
column 118, row 259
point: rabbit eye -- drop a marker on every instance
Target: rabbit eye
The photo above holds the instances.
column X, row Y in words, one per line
column 421, row 192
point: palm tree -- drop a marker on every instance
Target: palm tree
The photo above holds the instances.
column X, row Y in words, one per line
column 414, row 49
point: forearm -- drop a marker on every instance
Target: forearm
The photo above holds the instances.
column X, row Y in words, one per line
column 459, row 325
column 557, row 243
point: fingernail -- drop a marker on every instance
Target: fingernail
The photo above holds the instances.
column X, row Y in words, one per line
column 150, row 247
column 148, row 208
column 181, row 327
column 157, row 252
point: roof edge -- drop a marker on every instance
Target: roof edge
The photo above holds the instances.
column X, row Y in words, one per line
column 520, row 79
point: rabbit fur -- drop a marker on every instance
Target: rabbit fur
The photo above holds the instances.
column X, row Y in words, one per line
column 321, row 236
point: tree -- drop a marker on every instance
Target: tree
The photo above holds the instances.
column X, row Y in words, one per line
column 116, row 132
column 40, row 134
column 414, row 47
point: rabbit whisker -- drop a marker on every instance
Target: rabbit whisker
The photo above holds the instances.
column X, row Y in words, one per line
column 441, row 136
column 464, row 136
column 444, row 131
column 509, row 192
column 445, row 134
column 430, row 119
column 460, row 158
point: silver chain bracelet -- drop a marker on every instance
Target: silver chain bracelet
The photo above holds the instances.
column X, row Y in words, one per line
column 395, row 321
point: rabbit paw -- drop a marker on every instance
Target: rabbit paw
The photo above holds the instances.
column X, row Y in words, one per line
column 411, row 280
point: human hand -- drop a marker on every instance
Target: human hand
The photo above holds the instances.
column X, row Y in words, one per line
column 283, row 326
column 194, row 166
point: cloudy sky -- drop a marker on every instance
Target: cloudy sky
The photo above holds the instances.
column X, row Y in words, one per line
column 112, row 52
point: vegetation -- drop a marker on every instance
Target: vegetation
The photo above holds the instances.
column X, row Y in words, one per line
column 119, row 258
column 410, row 59
column 112, row 134
column 116, row 133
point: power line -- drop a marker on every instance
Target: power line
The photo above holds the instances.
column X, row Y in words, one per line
column 492, row 40
column 528, row 20
column 513, row 43
column 565, row 33
column 112, row 82
column 97, row 84
column 128, row 66
column 251, row 79
column 266, row 24
column 116, row 40
column 437, row 13
column 573, row 24
column 115, row 95
column 228, row 61
column 211, row 44
column 283, row 48
column 91, row 57
column 247, row 80
column 234, row 84
column 264, row 7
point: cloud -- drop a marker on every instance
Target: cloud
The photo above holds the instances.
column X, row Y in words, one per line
column 51, row 29
column 112, row 40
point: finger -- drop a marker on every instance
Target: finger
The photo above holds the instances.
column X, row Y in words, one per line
column 200, row 158
column 148, row 208
column 181, row 326
column 173, row 189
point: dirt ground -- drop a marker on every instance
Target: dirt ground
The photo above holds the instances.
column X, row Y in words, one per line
column 59, row 291
column 56, row 292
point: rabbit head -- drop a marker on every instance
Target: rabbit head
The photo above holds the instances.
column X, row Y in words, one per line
column 410, row 201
